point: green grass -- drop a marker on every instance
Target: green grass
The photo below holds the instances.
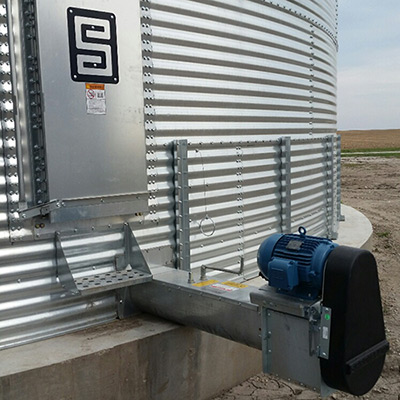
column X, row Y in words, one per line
column 354, row 165
column 383, row 234
column 383, row 149
column 384, row 155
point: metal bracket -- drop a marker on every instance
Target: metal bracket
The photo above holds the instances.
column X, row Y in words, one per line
column 87, row 208
column 63, row 272
column 129, row 269
column 133, row 256
column 133, row 261
column 40, row 210
column 204, row 268
column 285, row 337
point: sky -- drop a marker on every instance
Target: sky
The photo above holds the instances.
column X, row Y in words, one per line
column 369, row 64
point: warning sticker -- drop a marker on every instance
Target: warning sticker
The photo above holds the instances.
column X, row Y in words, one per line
column 223, row 287
column 96, row 99
column 235, row 285
column 205, row 283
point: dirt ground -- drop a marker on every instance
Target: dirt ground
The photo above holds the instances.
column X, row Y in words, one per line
column 374, row 139
column 371, row 185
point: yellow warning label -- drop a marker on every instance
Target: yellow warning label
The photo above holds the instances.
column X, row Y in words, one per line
column 96, row 99
column 205, row 283
column 235, row 285
column 95, row 86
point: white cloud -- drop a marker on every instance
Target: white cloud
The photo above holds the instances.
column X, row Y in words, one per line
column 369, row 97
column 369, row 66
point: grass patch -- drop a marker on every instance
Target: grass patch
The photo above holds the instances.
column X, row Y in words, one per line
column 353, row 165
column 361, row 154
column 383, row 149
column 383, row 234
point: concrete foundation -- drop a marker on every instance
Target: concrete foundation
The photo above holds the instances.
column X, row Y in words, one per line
column 355, row 230
column 140, row 358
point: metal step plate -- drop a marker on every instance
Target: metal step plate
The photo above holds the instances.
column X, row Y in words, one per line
column 111, row 280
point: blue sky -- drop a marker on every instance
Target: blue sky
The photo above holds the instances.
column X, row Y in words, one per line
column 369, row 64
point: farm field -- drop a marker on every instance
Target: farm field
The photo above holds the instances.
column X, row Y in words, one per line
column 371, row 185
column 379, row 140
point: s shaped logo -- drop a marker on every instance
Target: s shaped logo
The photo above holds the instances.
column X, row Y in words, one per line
column 93, row 46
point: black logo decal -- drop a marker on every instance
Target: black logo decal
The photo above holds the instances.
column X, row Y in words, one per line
column 93, row 46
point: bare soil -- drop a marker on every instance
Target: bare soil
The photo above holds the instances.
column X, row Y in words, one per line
column 376, row 139
column 371, row 185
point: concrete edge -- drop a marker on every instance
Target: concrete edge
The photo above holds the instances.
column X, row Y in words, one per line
column 140, row 358
column 356, row 229
column 96, row 339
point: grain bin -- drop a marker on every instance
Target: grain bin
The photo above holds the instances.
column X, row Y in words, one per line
column 197, row 128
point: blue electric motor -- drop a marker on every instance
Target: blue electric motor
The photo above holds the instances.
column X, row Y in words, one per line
column 294, row 264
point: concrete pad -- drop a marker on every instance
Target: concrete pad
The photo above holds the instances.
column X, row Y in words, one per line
column 80, row 344
column 356, row 230
column 138, row 358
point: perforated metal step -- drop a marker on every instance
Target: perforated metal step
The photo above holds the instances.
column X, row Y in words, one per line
column 111, row 280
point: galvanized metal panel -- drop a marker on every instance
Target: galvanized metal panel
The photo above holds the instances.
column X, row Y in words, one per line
column 231, row 48
column 232, row 77
column 106, row 141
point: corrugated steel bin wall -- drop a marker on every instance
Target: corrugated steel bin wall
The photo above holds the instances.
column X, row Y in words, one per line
column 234, row 78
